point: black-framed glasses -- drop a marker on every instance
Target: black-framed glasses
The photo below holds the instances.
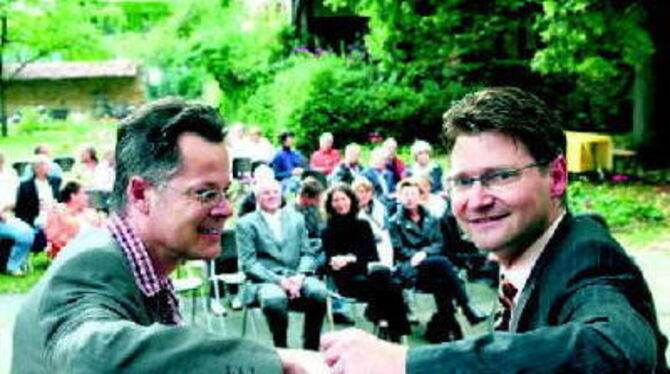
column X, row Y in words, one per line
column 494, row 179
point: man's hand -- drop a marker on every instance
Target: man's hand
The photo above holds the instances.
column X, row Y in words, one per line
column 292, row 285
column 340, row 261
column 296, row 172
column 295, row 361
column 418, row 258
column 354, row 351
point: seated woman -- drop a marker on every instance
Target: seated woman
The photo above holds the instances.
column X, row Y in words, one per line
column 70, row 217
column 435, row 203
column 349, row 246
column 424, row 167
column 374, row 212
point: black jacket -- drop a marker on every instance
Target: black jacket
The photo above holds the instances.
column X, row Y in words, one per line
column 27, row 202
column 586, row 308
column 350, row 235
column 408, row 237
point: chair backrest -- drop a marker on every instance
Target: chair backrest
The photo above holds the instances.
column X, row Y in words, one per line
column 99, row 200
column 20, row 167
column 241, row 167
column 65, row 162
column 228, row 245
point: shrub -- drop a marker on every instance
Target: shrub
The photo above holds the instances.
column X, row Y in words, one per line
column 621, row 206
column 348, row 98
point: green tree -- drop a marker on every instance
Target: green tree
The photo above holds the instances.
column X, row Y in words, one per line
column 227, row 41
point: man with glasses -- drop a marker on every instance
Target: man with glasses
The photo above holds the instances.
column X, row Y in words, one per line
column 572, row 301
column 106, row 304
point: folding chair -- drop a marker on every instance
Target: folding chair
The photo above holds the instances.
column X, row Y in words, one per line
column 192, row 278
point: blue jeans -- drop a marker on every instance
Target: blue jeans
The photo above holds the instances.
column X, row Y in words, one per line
column 22, row 235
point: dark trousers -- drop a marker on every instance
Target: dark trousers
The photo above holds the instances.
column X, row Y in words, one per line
column 275, row 305
column 382, row 293
column 438, row 276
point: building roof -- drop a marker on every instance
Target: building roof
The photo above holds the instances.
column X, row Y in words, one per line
column 72, row 70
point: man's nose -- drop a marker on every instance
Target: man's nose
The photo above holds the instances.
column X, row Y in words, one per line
column 223, row 209
column 478, row 196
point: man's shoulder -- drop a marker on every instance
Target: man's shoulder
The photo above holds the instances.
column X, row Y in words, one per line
column 89, row 251
column 249, row 219
column 583, row 242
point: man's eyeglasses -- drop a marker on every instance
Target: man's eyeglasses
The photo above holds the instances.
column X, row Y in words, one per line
column 491, row 180
column 207, row 197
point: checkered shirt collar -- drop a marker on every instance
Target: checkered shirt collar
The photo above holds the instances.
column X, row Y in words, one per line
column 146, row 278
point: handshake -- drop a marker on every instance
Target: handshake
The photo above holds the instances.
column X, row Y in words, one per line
column 350, row 351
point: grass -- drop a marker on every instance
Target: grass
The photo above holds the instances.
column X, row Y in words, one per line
column 23, row 284
column 64, row 139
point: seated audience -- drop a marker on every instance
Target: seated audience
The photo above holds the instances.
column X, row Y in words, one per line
column 11, row 228
column 424, row 167
column 70, row 217
column 351, row 251
column 373, row 211
column 326, row 157
column 276, row 257
column 421, row 263
column 350, row 167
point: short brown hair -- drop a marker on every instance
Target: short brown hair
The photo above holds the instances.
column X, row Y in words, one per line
column 510, row 111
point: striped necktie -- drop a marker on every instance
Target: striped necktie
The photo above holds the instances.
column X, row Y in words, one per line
column 506, row 294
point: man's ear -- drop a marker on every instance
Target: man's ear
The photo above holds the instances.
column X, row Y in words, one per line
column 558, row 171
column 138, row 194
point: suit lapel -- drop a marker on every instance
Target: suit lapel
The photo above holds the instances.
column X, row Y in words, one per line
column 266, row 228
column 536, row 273
column 285, row 225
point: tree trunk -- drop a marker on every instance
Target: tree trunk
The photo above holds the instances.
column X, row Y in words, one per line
column 651, row 116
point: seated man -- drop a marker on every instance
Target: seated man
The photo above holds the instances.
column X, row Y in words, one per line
column 350, row 167
column 276, row 256
column 288, row 163
column 326, row 157
column 421, row 263
column 106, row 304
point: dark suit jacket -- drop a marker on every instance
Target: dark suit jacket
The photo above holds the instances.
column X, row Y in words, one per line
column 408, row 238
column 87, row 315
column 585, row 309
column 27, row 202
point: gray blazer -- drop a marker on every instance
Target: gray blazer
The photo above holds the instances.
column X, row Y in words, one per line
column 87, row 315
column 585, row 309
column 263, row 258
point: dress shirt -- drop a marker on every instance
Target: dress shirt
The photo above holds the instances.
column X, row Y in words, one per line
column 273, row 221
column 518, row 271
column 152, row 284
